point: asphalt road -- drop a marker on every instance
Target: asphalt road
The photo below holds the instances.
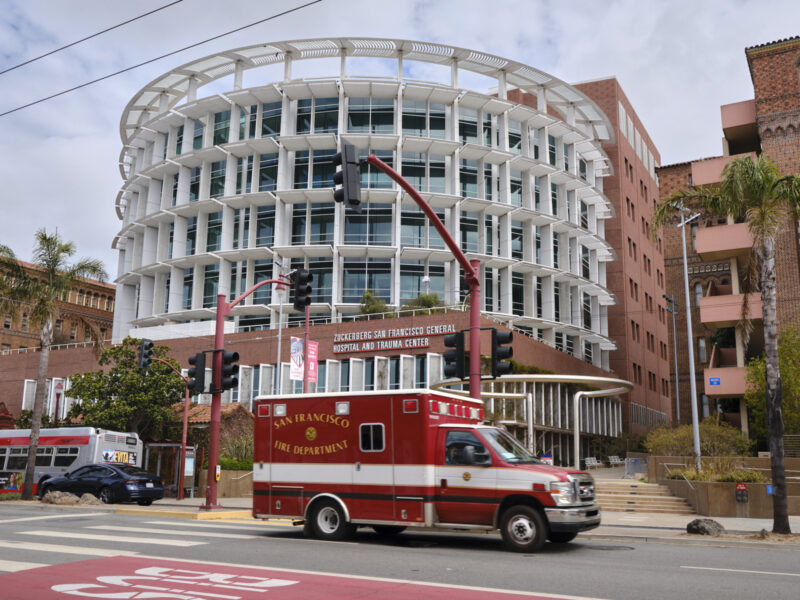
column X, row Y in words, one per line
column 31, row 537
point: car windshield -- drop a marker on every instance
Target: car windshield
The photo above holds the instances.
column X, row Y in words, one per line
column 131, row 470
column 509, row 449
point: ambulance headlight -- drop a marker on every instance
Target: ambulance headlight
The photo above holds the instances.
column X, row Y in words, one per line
column 563, row 492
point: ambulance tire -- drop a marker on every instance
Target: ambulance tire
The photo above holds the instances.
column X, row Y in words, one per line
column 562, row 537
column 523, row 529
column 329, row 522
column 388, row 530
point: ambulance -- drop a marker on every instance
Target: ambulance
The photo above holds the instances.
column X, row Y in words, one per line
column 401, row 459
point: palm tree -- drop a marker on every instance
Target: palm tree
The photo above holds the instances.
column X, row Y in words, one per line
column 37, row 292
column 756, row 192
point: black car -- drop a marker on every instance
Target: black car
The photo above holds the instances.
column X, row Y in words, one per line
column 111, row 482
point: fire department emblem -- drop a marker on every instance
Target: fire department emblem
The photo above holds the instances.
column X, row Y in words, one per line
column 466, row 476
column 311, row 434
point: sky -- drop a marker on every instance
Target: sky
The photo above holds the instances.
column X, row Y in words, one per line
column 678, row 61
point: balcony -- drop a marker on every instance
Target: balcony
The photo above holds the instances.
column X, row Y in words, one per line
column 739, row 126
column 723, row 378
column 720, row 308
column 709, row 171
column 724, row 241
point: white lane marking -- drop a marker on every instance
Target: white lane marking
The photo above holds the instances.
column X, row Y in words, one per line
column 14, row 545
column 381, row 579
column 50, row 517
column 741, row 571
column 10, row 566
column 222, row 524
column 74, row 535
column 233, row 536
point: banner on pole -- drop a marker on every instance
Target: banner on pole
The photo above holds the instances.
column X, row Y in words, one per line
column 296, row 359
column 313, row 353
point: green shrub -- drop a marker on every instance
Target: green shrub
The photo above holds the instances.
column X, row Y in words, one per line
column 716, row 439
column 743, row 476
column 10, row 496
column 732, row 476
column 230, row 464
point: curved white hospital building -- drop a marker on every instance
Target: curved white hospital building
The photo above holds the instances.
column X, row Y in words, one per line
column 222, row 190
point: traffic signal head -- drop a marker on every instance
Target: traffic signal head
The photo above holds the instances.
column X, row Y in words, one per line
column 501, row 351
column 145, row 353
column 349, row 177
column 302, row 289
column 197, row 373
column 230, row 370
column 454, row 359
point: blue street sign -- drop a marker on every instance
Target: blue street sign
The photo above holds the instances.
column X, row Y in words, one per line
column 714, row 381
column 769, row 489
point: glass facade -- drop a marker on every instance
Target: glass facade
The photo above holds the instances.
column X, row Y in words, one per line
column 273, row 209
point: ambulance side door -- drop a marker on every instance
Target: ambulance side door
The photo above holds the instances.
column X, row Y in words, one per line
column 466, row 483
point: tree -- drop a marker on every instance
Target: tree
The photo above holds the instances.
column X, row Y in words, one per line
column 756, row 192
column 789, row 360
column 125, row 397
column 371, row 305
column 36, row 292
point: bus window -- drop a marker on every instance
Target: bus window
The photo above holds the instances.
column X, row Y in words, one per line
column 65, row 457
column 3, row 452
column 44, row 456
column 18, row 459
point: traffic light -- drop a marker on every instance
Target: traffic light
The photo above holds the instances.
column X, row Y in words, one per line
column 349, row 177
column 145, row 353
column 230, row 370
column 197, row 373
column 454, row 359
column 501, row 351
column 302, row 289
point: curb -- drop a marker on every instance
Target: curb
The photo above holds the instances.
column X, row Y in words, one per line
column 705, row 541
column 184, row 514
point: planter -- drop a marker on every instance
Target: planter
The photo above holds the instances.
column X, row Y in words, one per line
column 231, row 484
column 714, row 499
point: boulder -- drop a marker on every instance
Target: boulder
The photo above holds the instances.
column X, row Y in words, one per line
column 705, row 527
column 60, row 498
column 89, row 499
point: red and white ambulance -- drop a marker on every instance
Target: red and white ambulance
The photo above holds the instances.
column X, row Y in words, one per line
column 414, row 458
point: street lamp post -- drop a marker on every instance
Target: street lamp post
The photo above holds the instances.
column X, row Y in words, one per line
column 690, row 340
column 671, row 309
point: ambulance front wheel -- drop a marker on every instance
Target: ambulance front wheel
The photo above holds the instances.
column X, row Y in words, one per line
column 523, row 529
column 330, row 523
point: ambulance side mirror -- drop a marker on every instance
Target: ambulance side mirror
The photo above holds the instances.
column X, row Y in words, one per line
column 474, row 456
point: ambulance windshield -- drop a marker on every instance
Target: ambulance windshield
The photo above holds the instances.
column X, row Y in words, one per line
column 509, row 449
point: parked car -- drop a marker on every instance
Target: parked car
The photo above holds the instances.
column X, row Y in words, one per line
column 110, row 482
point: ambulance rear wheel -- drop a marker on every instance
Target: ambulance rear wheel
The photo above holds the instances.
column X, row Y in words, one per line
column 388, row 530
column 330, row 523
column 523, row 529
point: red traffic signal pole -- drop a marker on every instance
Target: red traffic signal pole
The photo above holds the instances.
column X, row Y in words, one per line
column 471, row 270
column 223, row 310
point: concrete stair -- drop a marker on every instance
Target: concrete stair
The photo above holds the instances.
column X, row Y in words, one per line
column 623, row 495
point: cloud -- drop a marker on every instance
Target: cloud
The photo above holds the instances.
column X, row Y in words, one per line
column 677, row 62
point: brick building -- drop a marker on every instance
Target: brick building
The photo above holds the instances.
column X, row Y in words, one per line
column 637, row 322
column 717, row 249
column 89, row 299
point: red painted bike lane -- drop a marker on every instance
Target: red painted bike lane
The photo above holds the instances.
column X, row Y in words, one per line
column 140, row 578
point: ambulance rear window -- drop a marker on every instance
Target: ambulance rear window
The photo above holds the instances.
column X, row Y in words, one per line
column 372, row 438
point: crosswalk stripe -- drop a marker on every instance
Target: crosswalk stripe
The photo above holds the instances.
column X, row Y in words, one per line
column 10, row 566
column 74, row 535
column 233, row 536
column 64, row 549
column 50, row 517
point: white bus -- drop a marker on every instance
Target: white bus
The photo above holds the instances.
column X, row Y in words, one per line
column 61, row 450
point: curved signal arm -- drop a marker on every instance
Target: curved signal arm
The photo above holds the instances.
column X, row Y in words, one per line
column 471, row 274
